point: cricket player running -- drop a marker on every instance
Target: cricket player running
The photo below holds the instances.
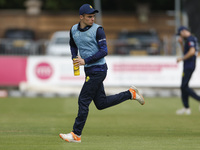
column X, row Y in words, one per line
column 89, row 40
column 189, row 47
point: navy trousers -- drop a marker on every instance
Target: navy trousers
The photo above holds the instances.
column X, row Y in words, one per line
column 93, row 89
column 185, row 90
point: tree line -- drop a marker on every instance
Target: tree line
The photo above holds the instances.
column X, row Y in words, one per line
column 107, row 5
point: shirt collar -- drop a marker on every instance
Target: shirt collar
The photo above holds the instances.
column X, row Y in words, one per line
column 84, row 29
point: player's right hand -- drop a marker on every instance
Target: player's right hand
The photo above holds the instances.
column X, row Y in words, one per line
column 79, row 61
column 180, row 40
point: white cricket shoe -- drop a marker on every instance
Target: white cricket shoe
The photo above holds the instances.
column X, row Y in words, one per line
column 70, row 137
column 183, row 111
column 136, row 95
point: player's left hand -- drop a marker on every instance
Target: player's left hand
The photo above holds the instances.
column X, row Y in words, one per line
column 179, row 59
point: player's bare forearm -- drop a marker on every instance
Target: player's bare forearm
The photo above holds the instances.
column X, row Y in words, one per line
column 189, row 54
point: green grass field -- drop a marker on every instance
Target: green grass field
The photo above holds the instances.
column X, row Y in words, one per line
column 35, row 124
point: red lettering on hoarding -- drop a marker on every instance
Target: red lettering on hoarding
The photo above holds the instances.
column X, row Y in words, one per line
column 72, row 78
column 142, row 67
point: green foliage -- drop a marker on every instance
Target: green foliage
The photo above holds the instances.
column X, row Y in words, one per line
column 65, row 5
column 2, row 2
column 51, row 4
column 108, row 5
column 14, row 4
column 35, row 123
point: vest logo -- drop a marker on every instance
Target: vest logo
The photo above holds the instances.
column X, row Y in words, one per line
column 87, row 79
column 43, row 71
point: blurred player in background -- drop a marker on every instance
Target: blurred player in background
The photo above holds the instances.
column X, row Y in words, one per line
column 189, row 47
column 89, row 40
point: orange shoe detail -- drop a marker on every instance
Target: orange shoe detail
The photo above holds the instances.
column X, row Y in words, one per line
column 76, row 137
column 133, row 93
column 63, row 138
